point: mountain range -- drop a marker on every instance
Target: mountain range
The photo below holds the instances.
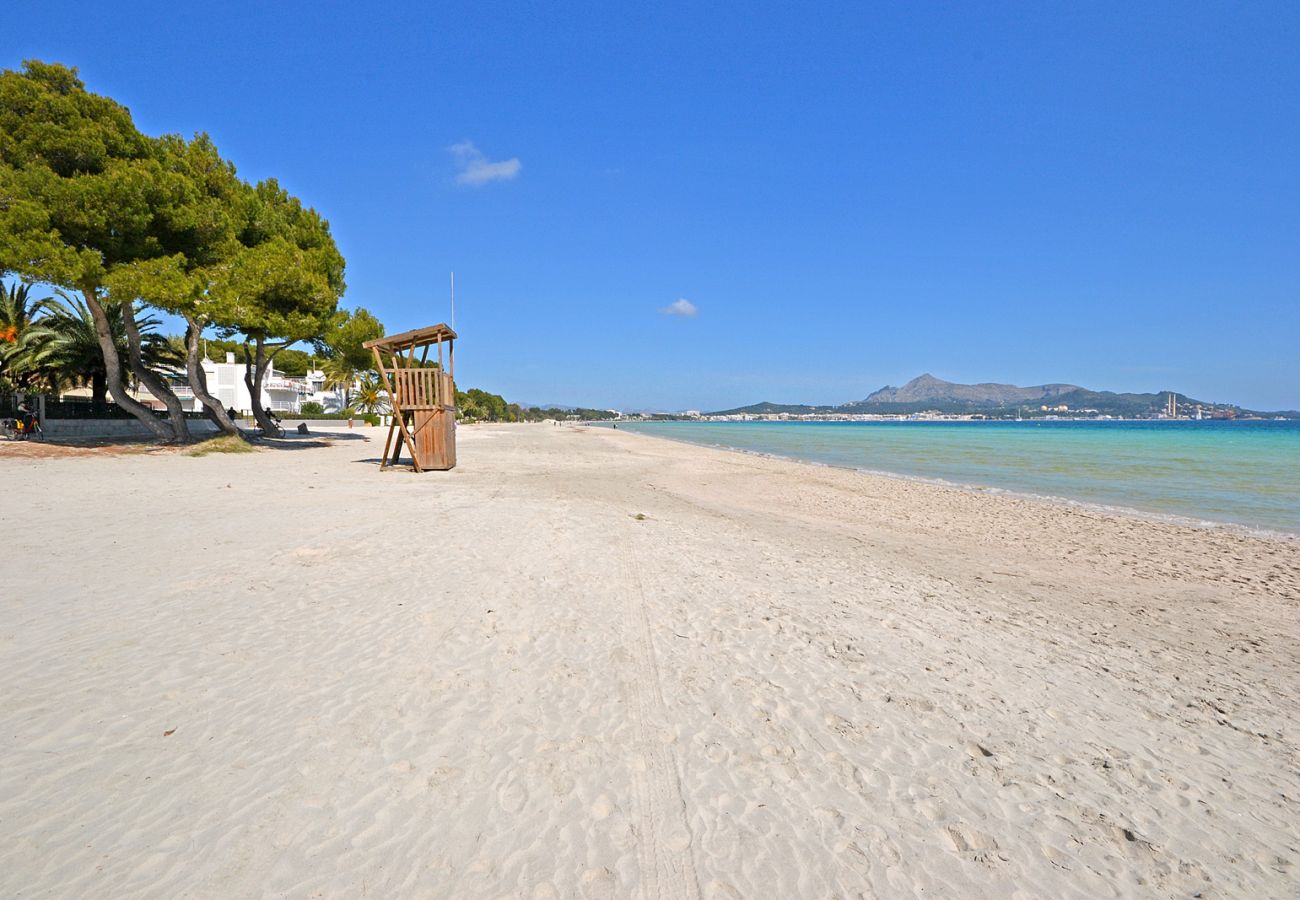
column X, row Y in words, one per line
column 926, row 392
column 926, row 389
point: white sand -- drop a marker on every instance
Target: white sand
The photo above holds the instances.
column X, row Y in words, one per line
column 287, row 674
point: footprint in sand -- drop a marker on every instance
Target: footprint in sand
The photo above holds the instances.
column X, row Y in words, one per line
column 867, row 780
column 970, row 843
column 830, row 817
column 677, row 838
column 716, row 753
column 720, row 890
column 881, row 846
column 930, row 808
column 513, row 796
column 599, row 884
column 853, row 856
column 840, row 725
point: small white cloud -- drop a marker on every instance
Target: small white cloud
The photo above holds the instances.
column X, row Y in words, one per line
column 683, row 307
column 476, row 169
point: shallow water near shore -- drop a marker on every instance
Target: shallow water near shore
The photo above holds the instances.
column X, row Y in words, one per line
column 1244, row 473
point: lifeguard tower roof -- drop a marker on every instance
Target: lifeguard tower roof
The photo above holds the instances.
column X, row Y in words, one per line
column 416, row 337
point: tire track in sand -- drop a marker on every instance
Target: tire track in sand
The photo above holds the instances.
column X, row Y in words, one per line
column 663, row 835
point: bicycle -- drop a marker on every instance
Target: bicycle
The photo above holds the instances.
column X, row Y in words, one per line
column 21, row 429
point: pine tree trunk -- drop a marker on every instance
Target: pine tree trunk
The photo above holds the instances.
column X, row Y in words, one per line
column 154, row 382
column 254, row 374
column 113, row 372
column 199, row 380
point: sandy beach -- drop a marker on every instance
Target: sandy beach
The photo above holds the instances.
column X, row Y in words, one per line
column 587, row 663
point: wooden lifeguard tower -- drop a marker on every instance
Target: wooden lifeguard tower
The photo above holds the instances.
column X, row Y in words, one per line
column 423, row 397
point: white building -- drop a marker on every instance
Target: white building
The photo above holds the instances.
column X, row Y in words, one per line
column 226, row 383
column 315, row 383
column 280, row 393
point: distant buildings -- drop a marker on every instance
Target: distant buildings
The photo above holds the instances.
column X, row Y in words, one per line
column 280, row 393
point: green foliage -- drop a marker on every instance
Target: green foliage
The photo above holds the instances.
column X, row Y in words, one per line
column 295, row 362
column 340, row 376
column 344, row 341
column 319, row 416
column 226, row 443
column 476, row 405
column 57, row 347
column 289, row 361
column 346, row 359
column 285, row 282
column 312, row 408
column 89, row 204
column 275, row 291
column 222, row 444
column 537, row 414
column 181, row 281
column 84, row 191
column 370, row 396
column 22, row 336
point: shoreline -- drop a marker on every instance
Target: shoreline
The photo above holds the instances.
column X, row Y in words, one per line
column 705, row 420
column 993, row 490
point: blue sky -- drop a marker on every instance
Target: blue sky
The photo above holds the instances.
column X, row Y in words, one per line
column 847, row 195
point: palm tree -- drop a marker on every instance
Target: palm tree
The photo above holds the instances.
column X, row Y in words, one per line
column 22, row 335
column 371, row 396
column 72, row 356
column 340, row 375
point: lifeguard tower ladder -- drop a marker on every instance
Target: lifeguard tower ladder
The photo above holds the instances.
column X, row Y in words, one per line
column 423, row 397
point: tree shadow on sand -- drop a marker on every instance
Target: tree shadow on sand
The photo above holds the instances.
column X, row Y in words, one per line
column 294, row 441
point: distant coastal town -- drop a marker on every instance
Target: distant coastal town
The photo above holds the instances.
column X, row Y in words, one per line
column 1043, row 413
column 927, row 398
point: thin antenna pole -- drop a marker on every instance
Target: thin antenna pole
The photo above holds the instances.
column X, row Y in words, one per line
column 453, row 301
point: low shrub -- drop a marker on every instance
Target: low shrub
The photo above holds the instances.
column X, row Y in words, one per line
column 226, row 443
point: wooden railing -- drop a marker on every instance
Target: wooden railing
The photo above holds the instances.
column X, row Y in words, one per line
column 422, row 388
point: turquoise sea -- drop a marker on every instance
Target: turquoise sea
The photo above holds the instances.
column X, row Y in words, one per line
column 1245, row 473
